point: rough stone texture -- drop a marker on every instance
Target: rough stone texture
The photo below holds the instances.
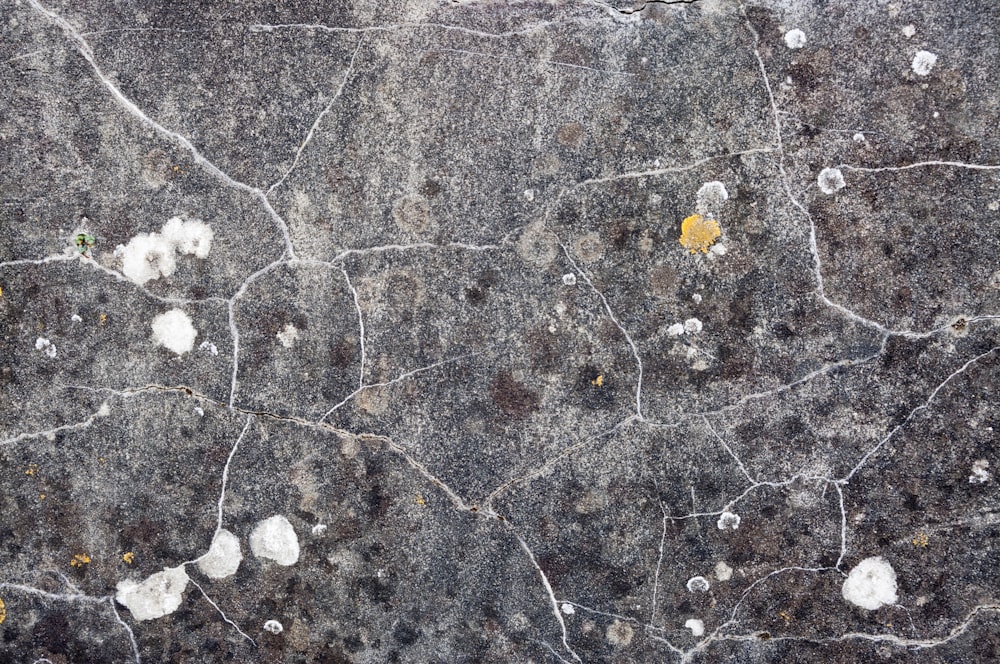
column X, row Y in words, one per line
column 484, row 460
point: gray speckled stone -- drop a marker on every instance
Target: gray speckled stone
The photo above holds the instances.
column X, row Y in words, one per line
column 441, row 329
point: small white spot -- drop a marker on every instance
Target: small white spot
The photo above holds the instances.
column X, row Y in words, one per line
column 698, row 584
column 795, row 39
column 210, row 347
column 275, row 538
column 567, row 608
column 979, row 473
column 155, row 597
column 909, row 30
column 830, row 180
column 718, row 250
column 173, row 330
column 529, row 195
column 319, row 529
column 923, row 63
column 274, row 627
column 723, row 572
column 871, row 584
column 935, row 114
column 676, row 330
column 104, row 410
column 288, row 336
column 569, row 279
column 696, row 626
column 692, row 326
column 728, row 521
column 859, row 137
column 223, row 557
column 696, row 297
column 710, row 198
column 201, row 412
column 76, row 318
column 45, row 346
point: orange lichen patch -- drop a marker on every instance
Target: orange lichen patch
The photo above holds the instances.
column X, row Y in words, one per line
column 79, row 560
column 128, row 557
column 699, row 233
column 786, row 616
column 32, row 469
column 599, row 381
column 103, row 318
column 420, row 500
column 3, row 612
column 921, row 540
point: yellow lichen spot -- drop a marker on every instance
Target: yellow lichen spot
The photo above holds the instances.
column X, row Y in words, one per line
column 41, row 496
column 3, row 612
column 79, row 560
column 1, row 291
column 699, row 233
column 103, row 318
column 128, row 557
column 102, row 460
column 32, row 469
column 921, row 540
column 599, row 381
column 786, row 616
column 420, row 500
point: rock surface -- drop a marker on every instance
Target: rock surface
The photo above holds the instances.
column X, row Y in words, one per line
column 437, row 314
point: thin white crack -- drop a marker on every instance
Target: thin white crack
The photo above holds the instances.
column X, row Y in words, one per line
column 924, row 406
column 361, row 328
column 221, row 612
column 655, row 172
column 76, row 426
column 611, row 314
column 84, row 48
column 921, row 164
column 393, row 27
column 553, row 63
column 739, row 462
column 659, row 565
column 319, row 118
column 401, row 377
column 128, row 630
column 548, row 589
column 225, row 472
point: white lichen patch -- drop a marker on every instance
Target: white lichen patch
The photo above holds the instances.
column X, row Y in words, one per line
column 728, row 521
column 150, row 256
column 923, row 63
column 189, row 236
column 46, row 346
column 274, row 538
column 830, row 180
column 979, row 473
column 223, row 557
column 157, row 596
column 319, row 529
column 692, row 326
column 710, row 198
column 208, row 346
column 174, row 331
column 723, row 572
column 717, row 250
column 274, row 627
column 147, row 257
column 795, row 38
column 871, row 584
column 696, row 626
column 698, row 584
column 567, row 608
column 676, row 330
column 569, row 279
column 909, row 30
column 288, row 335
column 619, row 633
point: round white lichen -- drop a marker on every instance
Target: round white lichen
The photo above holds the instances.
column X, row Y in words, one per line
column 871, row 584
column 923, row 63
column 568, row 608
column 830, row 180
column 189, row 236
column 274, row 627
column 155, row 597
column 173, row 330
column 223, row 557
column 569, row 279
column 696, row 626
column 275, row 538
column 710, row 198
column 147, row 257
column 728, row 521
column 698, row 584
column 692, row 326
column 676, row 330
column 795, row 39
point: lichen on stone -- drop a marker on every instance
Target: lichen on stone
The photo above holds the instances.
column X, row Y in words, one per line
column 699, row 233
